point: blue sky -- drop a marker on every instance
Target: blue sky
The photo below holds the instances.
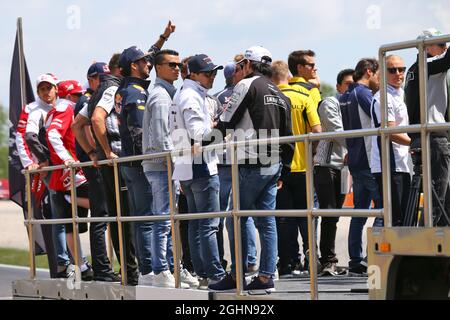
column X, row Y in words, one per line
column 58, row 40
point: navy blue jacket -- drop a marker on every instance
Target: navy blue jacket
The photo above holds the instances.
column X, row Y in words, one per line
column 355, row 106
column 131, row 98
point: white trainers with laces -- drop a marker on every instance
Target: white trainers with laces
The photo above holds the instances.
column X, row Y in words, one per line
column 188, row 278
column 146, row 280
column 165, row 279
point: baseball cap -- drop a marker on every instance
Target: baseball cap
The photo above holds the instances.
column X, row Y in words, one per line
column 429, row 33
column 47, row 77
column 202, row 63
column 258, row 54
column 130, row 55
column 97, row 68
column 69, row 87
column 229, row 69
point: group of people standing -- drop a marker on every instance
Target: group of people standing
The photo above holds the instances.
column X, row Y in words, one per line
column 118, row 115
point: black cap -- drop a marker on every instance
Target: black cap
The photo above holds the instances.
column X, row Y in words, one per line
column 130, row 55
column 202, row 63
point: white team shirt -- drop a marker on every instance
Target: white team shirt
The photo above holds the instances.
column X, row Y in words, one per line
column 106, row 101
column 398, row 113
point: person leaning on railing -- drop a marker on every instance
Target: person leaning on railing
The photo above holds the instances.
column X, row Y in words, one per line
column 191, row 126
column 257, row 107
column 29, row 139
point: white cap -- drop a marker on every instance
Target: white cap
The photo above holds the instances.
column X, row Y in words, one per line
column 429, row 33
column 47, row 77
column 258, row 54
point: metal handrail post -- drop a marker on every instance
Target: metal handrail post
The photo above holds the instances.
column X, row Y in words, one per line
column 237, row 222
column 385, row 144
column 175, row 226
column 110, row 246
column 123, row 266
column 32, row 258
column 311, row 220
column 73, row 198
column 425, row 137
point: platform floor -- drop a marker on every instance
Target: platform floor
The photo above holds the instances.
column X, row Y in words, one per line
column 330, row 288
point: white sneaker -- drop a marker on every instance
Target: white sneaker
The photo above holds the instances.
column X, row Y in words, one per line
column 146, row 280
column 186, row 277
column 277, row 276
column 165, row 279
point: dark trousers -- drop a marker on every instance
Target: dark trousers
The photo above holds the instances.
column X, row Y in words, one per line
column 100, row 261
column 107, row 174
column 440, row 162
column 400, row 186
column 291, row 196
column 327, row 183
column 184, row 231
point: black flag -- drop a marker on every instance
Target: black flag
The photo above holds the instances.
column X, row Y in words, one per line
column 18, row 97
column 21, row 94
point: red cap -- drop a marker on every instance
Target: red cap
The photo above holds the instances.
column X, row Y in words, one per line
column 69, row 87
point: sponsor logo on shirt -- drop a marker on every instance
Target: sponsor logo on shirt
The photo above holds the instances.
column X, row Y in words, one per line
column 274, row 100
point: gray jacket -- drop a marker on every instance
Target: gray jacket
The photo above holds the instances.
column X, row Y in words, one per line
column 330, row 153
column 156, row 132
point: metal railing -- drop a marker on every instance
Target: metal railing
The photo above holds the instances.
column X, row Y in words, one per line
column 236, row 213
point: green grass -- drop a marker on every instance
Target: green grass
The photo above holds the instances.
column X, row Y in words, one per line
column 19, row 257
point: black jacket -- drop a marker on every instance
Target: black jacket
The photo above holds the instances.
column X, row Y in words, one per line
column 437, row 92
column 261, row 110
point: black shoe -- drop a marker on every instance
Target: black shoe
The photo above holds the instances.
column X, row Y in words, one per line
column 88, row 274
column 258, row 285
column 329, row 269
column 107, row 277
column 133, row 278
column 358, row 271
column 227, row 283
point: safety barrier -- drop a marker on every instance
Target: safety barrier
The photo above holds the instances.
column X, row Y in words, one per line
column 236, row 213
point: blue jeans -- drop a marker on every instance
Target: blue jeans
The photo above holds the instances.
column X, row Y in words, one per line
column 162, row 255
column 58, row 230
column 225, row 192
column 365, row 189
column 140, row 196
column 202, row 196
column 258, row 191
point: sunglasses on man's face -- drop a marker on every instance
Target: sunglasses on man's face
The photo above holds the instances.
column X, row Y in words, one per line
column 173, row 65
column 311, row 65
column 400, row 70
column 210, row 74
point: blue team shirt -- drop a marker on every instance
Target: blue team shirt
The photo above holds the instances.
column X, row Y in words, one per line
column 355, row 106
column 130, row 102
